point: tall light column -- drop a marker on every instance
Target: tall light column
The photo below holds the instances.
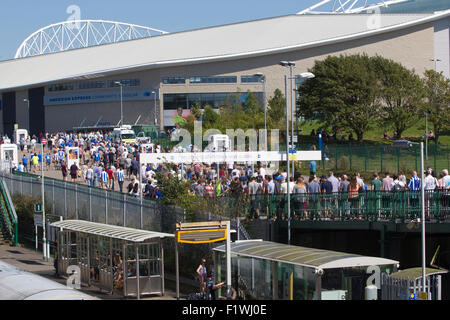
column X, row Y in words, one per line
column 119, row 83
column 422, row 190
column 287, row 163
column 156, row 118
column 291, row 66
column 45, row 245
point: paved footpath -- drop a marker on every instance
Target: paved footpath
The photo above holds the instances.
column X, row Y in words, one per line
column 31, row 261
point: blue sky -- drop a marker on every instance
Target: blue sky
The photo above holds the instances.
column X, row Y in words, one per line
column 20, row 18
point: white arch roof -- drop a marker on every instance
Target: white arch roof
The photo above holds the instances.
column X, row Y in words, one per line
column 110, row 231
column 227, row 42
column 302, row 256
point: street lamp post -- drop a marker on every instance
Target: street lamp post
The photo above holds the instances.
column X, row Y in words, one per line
column 303, row 77
column 422, row 190
column 119, row 83
column 45, row 244
column 156, row 118
column 291, row 66
column 422, row 201
column 426, row 114
column 288, row 161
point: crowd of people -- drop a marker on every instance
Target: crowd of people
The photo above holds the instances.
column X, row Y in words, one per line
column 108, row 163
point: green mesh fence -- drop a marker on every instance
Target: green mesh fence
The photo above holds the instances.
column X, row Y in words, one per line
column 381, row 158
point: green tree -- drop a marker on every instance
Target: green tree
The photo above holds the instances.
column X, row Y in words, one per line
column 437, row 92
column 277, row 110
column 210, row 118
column 343, row 93
column 400, row 92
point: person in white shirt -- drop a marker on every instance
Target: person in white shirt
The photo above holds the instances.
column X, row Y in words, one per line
column 21, row 167
column 396, row 181
column 90, row 176
column 445, row 179
column 283, row 185
column 236, row 173
column 262, row 172
column 430, row 182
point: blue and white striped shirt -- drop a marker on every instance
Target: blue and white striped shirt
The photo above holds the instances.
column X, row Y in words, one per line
column 414, row 183
column 104, row 176
column 120, row 175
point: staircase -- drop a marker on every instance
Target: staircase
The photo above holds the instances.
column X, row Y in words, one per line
column 8, row 217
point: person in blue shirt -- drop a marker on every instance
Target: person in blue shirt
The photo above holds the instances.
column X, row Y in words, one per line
column 96, row 156
column 48, row 160
column 40, row 157
column 25, row 162
column 312, row 168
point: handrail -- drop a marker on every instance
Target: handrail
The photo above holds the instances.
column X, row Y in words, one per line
column 9, row 210
column 9, row 202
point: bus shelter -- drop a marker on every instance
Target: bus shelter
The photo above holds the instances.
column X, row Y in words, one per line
column 112, row 257
column 274, row 271
column 407, row 284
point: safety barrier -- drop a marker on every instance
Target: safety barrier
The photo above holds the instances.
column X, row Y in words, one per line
column 9, row 223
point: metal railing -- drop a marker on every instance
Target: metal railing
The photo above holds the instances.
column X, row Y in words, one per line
column 381, row 158
column 395, row 206
column 81, row 202
column 9, row 216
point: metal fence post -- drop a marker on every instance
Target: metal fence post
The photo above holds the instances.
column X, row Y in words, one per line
column 65, row 200
column 124, row 210
column 53, row 195
column 381, row 158
column 435, row 153
column 106, row 207
column 365, row 157
column 350, row 151
column 415, row 153
column 90, row 205
column 336, row 154
column 76, row 202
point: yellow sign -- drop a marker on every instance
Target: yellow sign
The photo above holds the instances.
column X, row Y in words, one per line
column 199, row 233
column 292, row 156
column 423, row 295
column 202, row 236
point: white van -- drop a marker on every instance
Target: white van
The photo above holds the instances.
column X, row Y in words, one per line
column 125, row 134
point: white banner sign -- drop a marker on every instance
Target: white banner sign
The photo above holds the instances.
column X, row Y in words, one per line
column 226, row 157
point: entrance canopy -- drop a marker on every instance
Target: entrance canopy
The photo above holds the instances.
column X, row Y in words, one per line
column 416, row 273
column 109, row 231
column 306, row 257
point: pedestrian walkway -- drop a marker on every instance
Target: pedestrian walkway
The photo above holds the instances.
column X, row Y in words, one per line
column 32, row 261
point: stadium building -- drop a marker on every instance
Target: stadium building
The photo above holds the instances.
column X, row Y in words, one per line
column 54, row 84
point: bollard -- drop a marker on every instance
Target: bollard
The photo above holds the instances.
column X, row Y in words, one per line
column 371, row 293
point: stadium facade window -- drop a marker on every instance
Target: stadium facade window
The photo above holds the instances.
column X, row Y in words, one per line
column 60, row 87
column 219, row 79
column 250, row 79
column 215, row 100
column 91, row 85
column 125, row 83
column 174, row 80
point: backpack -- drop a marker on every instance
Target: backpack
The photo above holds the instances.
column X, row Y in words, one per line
column 397, row 187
